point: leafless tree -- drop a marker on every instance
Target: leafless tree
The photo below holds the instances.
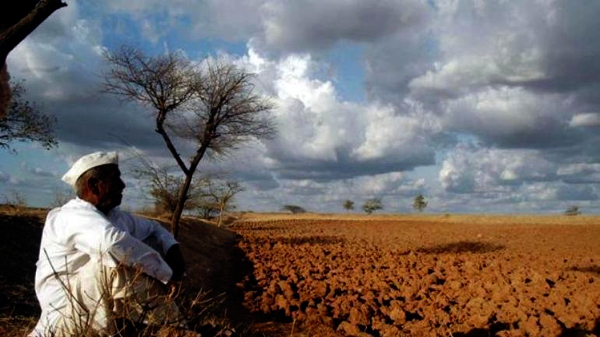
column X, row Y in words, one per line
column 25, row 122
column 61, row 197
column 17, row 20
column 164, row 187
column 220, row 194
column 213, row 106
column 208, row 194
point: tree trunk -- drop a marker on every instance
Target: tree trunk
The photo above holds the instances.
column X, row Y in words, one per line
column 184, row 190
column 13, row 35
column 5, row 93
column 221, row 210
column 180, row 203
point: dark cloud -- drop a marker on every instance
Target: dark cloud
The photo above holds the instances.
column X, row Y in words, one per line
column 263, row 181
column 291, row 168
column 302, row 26
column 576, row 193
column 571, row 51
column 513, row 76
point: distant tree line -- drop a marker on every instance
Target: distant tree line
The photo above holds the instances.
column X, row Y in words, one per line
column 375, row 204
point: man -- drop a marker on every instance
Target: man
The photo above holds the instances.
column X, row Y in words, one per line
column 98, row 264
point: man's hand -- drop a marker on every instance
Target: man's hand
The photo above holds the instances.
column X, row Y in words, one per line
column 174, row 259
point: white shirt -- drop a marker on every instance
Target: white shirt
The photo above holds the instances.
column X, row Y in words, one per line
column 78, row 233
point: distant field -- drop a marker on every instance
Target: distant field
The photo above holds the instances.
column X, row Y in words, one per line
column 425, row 275
column 449, row 218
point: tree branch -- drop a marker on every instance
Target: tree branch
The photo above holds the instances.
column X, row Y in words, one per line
column 161, row 130
column 12, row 36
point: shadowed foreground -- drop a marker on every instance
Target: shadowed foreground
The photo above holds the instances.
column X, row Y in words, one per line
column 215, row 265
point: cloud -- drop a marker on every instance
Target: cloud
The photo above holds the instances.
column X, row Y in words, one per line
column 38, row 171
column 580, row 173
column 511, row 117
column 470, row 169
column 585, row 120
column 520, row 81
column 323, row 137
column 316, row 25
column 510, row 75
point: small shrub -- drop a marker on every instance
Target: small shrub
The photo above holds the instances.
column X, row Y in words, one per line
column 372, row 205
column 348, row 205
column 419, row 203
column 293, row 209
column 573, row 210
column 15, row 203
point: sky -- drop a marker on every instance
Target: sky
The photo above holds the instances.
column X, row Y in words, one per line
column 481, row 106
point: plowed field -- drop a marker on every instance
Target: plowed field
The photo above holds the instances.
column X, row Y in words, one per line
column 430, row 276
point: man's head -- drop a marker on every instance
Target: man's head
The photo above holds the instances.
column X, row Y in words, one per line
column 96, row 178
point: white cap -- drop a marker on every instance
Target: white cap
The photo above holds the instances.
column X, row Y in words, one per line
column 87, row 162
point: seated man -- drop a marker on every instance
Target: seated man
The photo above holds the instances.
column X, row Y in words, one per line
column 98, row 264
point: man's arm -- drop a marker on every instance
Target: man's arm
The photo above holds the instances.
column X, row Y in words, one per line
column 174, row 259
column 95, row 236
column 146, row 230
column 158, row 237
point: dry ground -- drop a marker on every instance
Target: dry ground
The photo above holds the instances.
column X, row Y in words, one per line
column 381, row 275
column 425, row 275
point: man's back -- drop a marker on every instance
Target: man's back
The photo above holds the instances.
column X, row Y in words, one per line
column 77, row 234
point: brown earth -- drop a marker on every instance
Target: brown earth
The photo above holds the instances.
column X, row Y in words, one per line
column 426, row 276
column 336, row 275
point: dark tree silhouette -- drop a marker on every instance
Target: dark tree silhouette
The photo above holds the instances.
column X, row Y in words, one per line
column 293, row 209
column 17, row 20
column 348, row 205
column 24, row 122
column 419, row 203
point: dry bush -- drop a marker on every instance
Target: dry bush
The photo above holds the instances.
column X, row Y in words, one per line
column 195, row 311
column 573, row 210
column 294, row 209
column 14, row 203
column 61, row 197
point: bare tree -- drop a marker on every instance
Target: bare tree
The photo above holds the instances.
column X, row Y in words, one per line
column 164, row 188
column 25, row 122
column 61, row 197
column 212, row 106
column 219, row 196
column 17, row 20
column 15, row 203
